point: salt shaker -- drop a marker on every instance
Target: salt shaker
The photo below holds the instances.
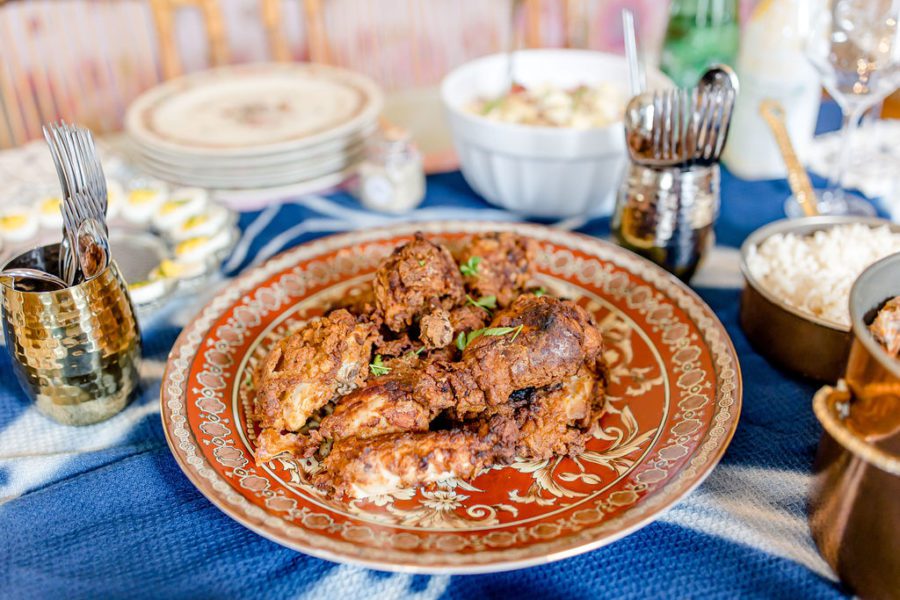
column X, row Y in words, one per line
column 391, row 177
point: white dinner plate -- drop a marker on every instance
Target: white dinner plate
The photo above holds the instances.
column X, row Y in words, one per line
column 252, row 110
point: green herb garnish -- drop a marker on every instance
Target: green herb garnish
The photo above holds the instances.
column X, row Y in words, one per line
column 470, row 267
column 421, row 263
column 488, row 303
column 378, row 368
column 461, row 340
column 462, row 344
column 491, row 105
column 413, row 353
column 540, row 291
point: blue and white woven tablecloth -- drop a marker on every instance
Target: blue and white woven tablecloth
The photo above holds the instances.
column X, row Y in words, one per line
column 104, row 511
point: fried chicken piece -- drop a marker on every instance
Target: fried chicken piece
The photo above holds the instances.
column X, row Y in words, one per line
column 506, row 265
column 468, row 318
column 558, row 419
column 414, row 280
column 407, row 398
column 327, row 358
column 886, row 327
column 370, row 467
column 547, row 341
column 435, row 329
column 556, row 337
column 271, row 442
column 395, row 347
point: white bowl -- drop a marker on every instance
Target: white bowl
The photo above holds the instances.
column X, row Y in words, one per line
column 539, row 171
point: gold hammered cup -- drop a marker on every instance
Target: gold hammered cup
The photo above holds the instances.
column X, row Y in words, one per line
column 75, row 351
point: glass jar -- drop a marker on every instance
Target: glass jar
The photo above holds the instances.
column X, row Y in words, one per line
column 391, row 177
column 667, row 215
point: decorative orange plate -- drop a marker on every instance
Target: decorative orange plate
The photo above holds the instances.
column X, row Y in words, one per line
column 674, row 400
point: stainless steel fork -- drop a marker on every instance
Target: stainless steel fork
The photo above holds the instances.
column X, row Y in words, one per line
column 84, row 194
column 670, row 119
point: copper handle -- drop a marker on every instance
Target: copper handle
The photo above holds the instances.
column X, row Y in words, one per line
column 773, row 114
column 824, row 408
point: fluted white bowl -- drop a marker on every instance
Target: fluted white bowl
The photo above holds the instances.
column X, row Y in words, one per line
column 549, row 172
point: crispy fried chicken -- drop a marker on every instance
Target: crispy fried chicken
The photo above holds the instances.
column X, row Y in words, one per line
column 505, row 265
column 550, row 341
column 329, row 357
column 528, row 381
column 558, row 419
column 369, row 467
column 556, row 338
column 407, row 398
column 417, row 279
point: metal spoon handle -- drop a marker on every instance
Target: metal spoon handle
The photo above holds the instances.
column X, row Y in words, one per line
column 514, row 9
column 773, row 114
column 26, row 273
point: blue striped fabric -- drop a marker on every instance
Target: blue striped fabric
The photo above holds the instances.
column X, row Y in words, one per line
column 104, row 511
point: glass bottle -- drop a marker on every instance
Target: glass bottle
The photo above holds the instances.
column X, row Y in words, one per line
column 772, row 65
column 700, row 33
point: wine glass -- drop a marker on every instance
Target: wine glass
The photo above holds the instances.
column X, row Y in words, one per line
column 854, row 46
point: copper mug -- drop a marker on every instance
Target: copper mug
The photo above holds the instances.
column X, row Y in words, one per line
column 75, row 351
column 855, row 497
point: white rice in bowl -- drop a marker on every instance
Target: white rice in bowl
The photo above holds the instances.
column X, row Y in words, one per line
column 814, row 273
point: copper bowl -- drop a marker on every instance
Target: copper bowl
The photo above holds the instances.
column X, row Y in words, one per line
column 854, row 504
column 790, row 338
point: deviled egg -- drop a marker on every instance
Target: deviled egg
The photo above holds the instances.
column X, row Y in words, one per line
column 207, row 223
column 18, row 223
column 181, row 204
column 177, row 269
column 142, row 202
column 198, row 248
column 49, row 211
column 151, row 290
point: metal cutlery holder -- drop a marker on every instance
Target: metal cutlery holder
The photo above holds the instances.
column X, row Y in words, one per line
column 667, row 214
column 75, row 351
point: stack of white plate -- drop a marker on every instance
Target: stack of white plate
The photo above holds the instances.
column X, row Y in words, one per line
column 255, row 126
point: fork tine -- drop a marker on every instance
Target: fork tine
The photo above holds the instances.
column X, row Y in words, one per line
column 96, row 181
column 667, row 126
column 656, row 130
column 100, row 177
column 57, row 159
column 676, row 123
column 86, row 160
column 661, row 127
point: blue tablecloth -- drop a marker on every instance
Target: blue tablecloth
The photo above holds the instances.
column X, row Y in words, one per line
column 104, row 511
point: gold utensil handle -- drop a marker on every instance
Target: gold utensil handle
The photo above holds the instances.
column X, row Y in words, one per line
column 773, row 113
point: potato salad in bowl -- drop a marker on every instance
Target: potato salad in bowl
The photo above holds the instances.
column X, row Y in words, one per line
column 580, row 107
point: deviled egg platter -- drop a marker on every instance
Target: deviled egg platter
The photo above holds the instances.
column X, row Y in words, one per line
column 165, row 240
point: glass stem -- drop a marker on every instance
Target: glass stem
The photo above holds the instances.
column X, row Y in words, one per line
column 848, row 129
